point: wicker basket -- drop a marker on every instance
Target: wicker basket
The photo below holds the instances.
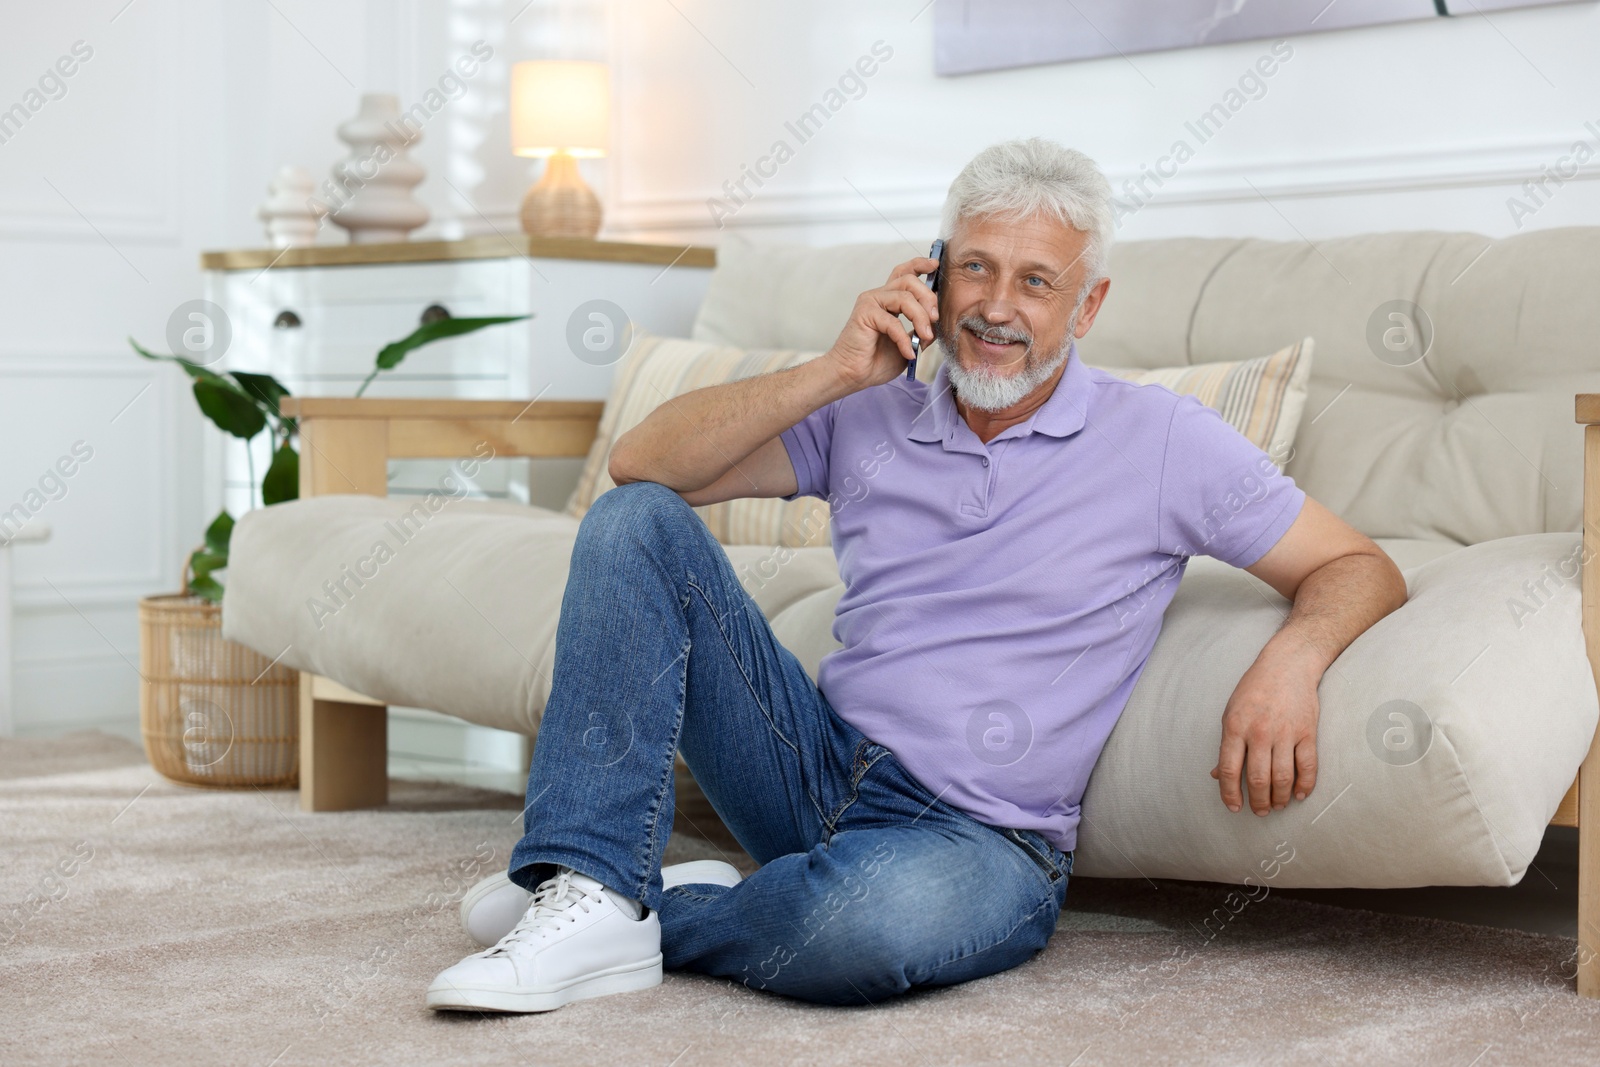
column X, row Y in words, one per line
column 213, row 712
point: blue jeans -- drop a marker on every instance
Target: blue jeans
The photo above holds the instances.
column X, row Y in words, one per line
column 869, row 884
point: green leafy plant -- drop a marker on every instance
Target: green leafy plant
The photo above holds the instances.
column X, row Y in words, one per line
column 243, row 404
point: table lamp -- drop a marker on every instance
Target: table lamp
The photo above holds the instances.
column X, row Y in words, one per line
column 560, row 109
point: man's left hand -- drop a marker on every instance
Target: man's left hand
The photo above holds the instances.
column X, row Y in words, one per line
column 1269, row 733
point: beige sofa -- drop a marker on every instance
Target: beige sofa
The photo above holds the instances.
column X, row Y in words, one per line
column 1467, row 466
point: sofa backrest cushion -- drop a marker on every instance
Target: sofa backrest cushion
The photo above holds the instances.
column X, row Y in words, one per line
column 789, row 296
column 1474, row 440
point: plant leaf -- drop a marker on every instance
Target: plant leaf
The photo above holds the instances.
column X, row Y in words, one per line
column 390, row 355
column 205, row 563
column 193, row 370
column 207, row 588
column 282, row 480
column 201, row 565
column 226, row 405
column 219, row 533
column 263, row 388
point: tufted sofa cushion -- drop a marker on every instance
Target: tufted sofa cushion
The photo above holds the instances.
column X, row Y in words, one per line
column 460, row 619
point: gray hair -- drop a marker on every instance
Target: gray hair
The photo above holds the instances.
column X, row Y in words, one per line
column 1017, row 179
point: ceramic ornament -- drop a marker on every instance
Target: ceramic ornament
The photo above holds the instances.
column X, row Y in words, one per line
column 372, row 186
column 287, row 212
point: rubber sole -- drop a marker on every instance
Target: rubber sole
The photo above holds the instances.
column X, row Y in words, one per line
column 629, row 978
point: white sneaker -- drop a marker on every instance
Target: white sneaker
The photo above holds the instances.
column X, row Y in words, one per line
column 573, row 942
column 492, row 907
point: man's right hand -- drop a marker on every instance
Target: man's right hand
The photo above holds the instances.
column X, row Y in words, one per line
column 874, row 346
column 723, row 441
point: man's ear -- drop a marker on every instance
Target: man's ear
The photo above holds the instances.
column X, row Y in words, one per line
column 1091, row 306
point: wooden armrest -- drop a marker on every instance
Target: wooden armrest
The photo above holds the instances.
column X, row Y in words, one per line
column 1589, row 408
column 347, row 442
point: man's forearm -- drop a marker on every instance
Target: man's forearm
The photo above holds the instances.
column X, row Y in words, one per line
column 690, row 441
column 1335, row 604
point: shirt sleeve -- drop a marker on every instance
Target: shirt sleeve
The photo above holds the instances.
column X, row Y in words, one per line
column 808, row 442
column 1221, row 496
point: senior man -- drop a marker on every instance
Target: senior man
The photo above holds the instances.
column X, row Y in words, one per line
column 1012, row 539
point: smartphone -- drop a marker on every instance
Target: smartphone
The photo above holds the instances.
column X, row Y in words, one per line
column 936, row 252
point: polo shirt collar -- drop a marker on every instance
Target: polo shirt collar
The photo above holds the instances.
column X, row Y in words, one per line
column 1063, row 414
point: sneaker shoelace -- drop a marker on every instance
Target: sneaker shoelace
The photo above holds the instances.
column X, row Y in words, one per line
column 552, row 905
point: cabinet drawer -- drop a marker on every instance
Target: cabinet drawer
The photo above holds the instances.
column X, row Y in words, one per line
column 344, row 315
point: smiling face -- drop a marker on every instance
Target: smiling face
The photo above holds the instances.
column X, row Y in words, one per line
column 1010, row 307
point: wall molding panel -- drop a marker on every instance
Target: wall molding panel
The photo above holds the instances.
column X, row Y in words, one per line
column 151, row 220
column 1484, row 166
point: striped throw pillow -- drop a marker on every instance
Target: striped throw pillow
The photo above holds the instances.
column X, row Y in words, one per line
column 655, row 370
column 1261, row 398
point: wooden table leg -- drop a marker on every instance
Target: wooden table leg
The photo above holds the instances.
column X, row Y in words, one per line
column 344, row 750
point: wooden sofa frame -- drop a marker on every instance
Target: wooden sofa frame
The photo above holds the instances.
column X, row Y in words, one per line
column 346, row 445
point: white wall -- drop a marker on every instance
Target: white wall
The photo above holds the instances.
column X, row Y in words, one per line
column 103, row 197
column 166, row 137
column 1421, row 125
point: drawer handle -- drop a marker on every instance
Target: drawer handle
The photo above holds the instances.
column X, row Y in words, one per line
column 286, row 320
column 434, row 313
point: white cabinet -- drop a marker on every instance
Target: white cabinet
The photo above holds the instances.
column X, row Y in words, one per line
column 317, row 325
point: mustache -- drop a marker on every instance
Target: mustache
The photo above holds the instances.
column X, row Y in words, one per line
column 995, row 334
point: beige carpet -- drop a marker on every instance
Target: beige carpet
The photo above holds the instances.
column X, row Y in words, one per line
column 148, row 923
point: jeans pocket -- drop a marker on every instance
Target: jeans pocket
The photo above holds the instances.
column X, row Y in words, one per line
column 865, row 755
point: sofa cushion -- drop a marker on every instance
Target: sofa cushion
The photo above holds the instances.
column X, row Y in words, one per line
column 655, row 370
column 461, row 617
column 770, row 295
column 460, row 614
column 1449, row 732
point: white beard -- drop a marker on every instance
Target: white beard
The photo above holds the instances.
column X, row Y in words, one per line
column 987, row 388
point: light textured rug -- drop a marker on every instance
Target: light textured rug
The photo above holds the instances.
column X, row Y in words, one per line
column 143, row 922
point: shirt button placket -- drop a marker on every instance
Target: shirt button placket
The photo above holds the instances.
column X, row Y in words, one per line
column 980, row 499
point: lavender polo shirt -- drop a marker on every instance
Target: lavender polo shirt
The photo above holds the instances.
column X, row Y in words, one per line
column 1001, row 600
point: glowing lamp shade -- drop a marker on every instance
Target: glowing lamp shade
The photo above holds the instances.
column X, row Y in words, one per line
column 560, row 106
column 560, row 109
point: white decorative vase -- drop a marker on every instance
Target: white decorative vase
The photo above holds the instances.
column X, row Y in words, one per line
column 290, row 220
column 374, row 182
